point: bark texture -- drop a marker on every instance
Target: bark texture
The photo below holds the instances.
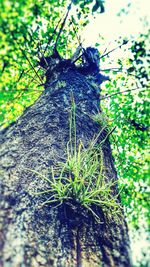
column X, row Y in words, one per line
column 31, row 236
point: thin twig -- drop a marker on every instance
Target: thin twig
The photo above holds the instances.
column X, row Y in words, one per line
column 106, row 48
column 20, row 91
column 40, row 49
column 121, row 70
column 137, row 88
column 78, row 58
column 78, row 37
column 108, row 134
column 119, row 46
column 33, row 77
column 115, row 68
column 51, row 37
column 31, row 38
column 24, row 89
column 20, row 76
column 22, row 72
column 62, row 26
column 31, row 64
column 74, row 59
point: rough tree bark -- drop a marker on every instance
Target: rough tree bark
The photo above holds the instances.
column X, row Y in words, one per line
column 47, row 236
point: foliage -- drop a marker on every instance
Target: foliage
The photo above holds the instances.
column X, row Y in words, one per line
column 33, row 26
column 125, row 101
column 128, row 109
column 29, row 30
column 23, row 26
column 98, row 4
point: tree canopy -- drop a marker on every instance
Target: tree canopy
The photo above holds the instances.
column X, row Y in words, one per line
column 30, row 29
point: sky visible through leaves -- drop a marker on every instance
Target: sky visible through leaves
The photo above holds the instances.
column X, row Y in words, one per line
column 133, row 153
column 25, row 30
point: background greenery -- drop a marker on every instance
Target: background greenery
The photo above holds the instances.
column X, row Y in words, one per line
column 29, row 29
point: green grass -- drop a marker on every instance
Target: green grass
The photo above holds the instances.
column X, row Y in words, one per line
column 80, row 179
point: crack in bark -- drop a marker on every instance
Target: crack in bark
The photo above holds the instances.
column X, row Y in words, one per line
column 78, row 248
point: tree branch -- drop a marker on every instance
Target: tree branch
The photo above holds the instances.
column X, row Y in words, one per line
column 31, row 64
column 106, row 54
column 51, row 37
column 120, row 70
column 62, row 26
column 108, row 96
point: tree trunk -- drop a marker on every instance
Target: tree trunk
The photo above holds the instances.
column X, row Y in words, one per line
column 31, row 235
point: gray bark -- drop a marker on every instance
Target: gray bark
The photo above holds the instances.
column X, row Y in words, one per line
column 50, row 236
